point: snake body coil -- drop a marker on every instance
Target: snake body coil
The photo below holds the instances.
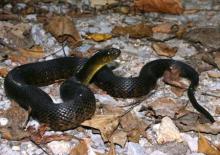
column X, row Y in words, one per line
column 21, row 84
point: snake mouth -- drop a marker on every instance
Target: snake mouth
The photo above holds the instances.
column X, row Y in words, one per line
column 106, row 55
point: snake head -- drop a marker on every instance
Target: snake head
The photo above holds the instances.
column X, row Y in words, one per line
column 105, row 56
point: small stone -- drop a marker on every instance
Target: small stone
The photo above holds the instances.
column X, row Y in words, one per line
column 158, row 153
column 59, row 147
column 168, row 132
column 3, row 121
column 16, row 148
column 135, row 149
column 105, row 99
column 191, row 141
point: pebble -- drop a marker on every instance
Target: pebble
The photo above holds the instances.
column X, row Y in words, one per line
column 135, row 149
column 191, row 141
column 167, row 131
column 105, row 99
column 158, row 153
column 3, row 121
column 59, row 147
column 16, row 148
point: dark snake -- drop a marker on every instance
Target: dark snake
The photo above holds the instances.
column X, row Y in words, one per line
column 21, row 84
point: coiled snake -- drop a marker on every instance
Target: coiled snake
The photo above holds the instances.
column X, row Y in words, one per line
column 21, row 84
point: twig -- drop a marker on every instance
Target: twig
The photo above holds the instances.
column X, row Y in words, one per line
column 40, row 147
column 210, row 94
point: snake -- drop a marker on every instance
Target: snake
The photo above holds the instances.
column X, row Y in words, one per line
column 22, row 85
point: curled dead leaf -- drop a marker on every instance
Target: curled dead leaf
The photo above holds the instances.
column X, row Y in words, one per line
column 119, row 137
column 213, row 74
column 164, row 106
column 133, row 126
column 99, row 37
column 163, row 28
column 34, row 52
column 206, row 147
column 83, row 148
column 164, row 6
column 63, row 29
column 163, row 49
column 17, row 118
column 133, row 30
column 105, row 123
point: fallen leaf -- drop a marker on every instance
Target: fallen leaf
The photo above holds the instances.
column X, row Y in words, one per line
column 18, row 58
column 99, row 3
column 163, row 28
column 119, row 137
column 177, row 91
column 105, row 123
column 63, row 29
column 217, row 110
column 3, row 72
column 83, row 148
column 206, row 147
column 133, row 30
column 129, row 122
column 34, row 52
column 99, row 37
column 164, row 106
column 112, row 149
column 213, row 74
column 133, row 126
column 163, row 49
column 217, row 59
column 17, row 35
column 191, row 121
column 164, row 6
column 207, row 36
column 17, row 118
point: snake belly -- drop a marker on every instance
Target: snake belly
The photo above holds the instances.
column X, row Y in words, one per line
column 21, row 84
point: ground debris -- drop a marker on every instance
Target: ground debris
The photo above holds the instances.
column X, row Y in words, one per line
column 133, row 30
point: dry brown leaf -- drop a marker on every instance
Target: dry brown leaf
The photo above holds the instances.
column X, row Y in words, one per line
column 163, row 49
column 3, row 72
column 99, row 37
column 164, row 106
column 18, row 58
column 34, row 52
column 163, row 28
column 17, row 118
column 82, row 148
column 100, row 3
column 119, row 137
column 112, row 149
column 129, row 122
column 105, row 123
column 133, row 126
column 63, row 29
column 134, row 31
column 178, row 91
column 205, row 146
column 190, row 121
column 217, row 59
column 213, row 74
column 164, row 6
column 17, row 35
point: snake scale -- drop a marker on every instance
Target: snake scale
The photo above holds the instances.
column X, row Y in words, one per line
column 21, row 84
